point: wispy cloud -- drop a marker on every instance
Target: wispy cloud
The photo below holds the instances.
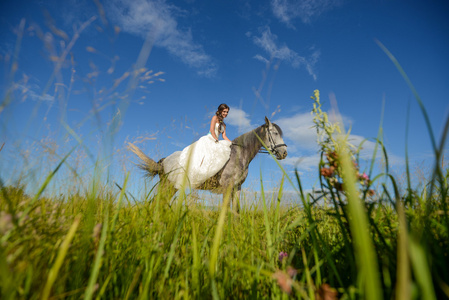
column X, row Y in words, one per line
column 156, row 19
column 261, row 58
column 269, row 42
column 32, row 91
column 287, row 10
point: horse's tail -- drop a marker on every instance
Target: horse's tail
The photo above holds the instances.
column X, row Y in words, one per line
column 148, row 165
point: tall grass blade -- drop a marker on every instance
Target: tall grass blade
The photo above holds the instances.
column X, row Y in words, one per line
column 53, row 274
column 171, row 254
column 316, row 233
column 46, row 182
column 438, row 151
column 11, row 208
column 407, row 168
column 267, row 223
column 403, row 268
column 103, row 287
column 196, row 259
column 218, row 234
column 421, row 270
column 98, row 259
column 412, row 88
column 79, row 140
column 119, row 202
column 277, row 221
column 309, row 280
column 444, row 180
column 133, row 283
column 152, row 266
column 364, row 248
column 378, row 141
column 7, row 288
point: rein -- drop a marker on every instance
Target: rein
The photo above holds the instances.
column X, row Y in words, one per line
column 272, row 147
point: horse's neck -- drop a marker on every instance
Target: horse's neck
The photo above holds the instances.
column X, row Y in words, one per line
column 249, row 144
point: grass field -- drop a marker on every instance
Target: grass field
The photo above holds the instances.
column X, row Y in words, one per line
column 356, row 243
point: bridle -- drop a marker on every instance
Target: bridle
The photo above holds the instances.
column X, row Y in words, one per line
column 273, row 145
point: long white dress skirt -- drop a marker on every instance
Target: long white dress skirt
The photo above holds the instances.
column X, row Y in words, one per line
column 197, row 162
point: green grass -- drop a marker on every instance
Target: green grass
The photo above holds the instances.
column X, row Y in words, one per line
column 98, row 247
column 342, row 241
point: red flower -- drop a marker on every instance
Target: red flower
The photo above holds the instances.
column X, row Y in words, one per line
column 327, row 172
column 326, row 292
column 284, row 281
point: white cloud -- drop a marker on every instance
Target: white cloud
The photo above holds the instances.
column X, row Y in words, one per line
column 304, row 163
column 238, row 117
column 268, row 42
column 287, row 10
column 298, row 129
column 155, row 19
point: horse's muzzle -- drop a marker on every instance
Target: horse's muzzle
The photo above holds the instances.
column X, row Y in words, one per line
column 281, row 152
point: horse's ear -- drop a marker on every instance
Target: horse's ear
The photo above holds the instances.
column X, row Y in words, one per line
column 267, row 122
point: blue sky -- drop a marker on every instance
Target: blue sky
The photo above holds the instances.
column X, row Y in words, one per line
column 76, row 60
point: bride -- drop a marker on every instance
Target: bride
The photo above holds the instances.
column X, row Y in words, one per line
column 202, row 159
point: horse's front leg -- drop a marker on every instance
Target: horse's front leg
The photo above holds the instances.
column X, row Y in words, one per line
column 236, row 196
column 228, row 197
column 231, row 198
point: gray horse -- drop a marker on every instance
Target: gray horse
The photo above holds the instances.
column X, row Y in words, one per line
column 231, row 177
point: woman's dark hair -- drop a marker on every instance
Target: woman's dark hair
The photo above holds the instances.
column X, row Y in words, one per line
column 220, row 108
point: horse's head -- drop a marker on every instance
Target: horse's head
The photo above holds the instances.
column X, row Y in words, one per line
column 274, row 140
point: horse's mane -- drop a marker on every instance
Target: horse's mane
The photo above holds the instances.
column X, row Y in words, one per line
column 278, row 129
column 249, row 138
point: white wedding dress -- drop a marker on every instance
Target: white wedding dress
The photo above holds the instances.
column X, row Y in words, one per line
column 197, row 162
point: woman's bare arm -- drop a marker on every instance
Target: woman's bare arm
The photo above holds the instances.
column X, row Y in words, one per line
column 212, row 127
column 224, row 135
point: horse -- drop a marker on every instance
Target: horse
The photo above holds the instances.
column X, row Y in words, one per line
column 231, row 177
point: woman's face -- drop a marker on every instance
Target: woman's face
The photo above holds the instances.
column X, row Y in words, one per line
column 224, row 113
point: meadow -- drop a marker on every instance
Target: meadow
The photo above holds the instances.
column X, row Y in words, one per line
column 346, row 240
column 359, row 235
